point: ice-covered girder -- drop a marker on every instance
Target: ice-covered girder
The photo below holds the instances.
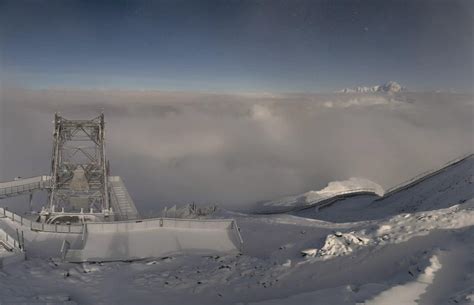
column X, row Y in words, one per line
column 79, row 167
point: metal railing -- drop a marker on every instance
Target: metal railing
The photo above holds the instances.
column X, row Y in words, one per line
column 12, row 188
column 323, row 201
column 40, row 226
column 117, row 183
column 181, row 223
column 223, row 235
column 425, row 175
column 9, row 242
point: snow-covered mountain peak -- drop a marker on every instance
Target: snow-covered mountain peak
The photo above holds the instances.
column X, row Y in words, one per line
column 388, row 87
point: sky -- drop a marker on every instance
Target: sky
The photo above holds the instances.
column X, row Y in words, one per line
column 236, row 46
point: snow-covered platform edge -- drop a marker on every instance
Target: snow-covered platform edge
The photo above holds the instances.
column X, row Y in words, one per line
column 159, row 237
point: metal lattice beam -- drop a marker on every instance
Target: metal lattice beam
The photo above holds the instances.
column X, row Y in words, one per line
column 79, row 166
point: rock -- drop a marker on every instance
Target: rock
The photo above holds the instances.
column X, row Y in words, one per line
column 152, row 263
column 287, row 263
column 311, row 252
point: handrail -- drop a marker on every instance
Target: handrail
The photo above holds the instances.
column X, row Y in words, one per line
column 117, row 182
column 12, row 188
column 40, row 226
column 333, row 196
column 298, row 206
column 44, row 177
column 164, row 219
column 10, row 241
column 78, row 229
column 425, row 175
column 236, row 230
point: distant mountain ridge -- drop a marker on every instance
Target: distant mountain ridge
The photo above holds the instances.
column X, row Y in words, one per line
column 388, row 87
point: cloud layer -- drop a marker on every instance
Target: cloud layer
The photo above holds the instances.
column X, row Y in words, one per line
column 236, row 149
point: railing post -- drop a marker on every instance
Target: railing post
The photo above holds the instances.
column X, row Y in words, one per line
column 30, row 203
column 84, row 228
column 18, row 237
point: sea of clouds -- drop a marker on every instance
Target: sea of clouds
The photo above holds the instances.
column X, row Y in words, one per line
column 237, row 149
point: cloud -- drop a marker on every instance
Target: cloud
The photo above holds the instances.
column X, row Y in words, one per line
column 236, row 149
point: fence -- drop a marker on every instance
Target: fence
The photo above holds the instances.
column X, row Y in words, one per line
column 324, row 201
column 120, row 199
column 15, row 249
column 423, row 176
column 130, row 240
column 229, row 225
column 39, row 226
column 9, row 242
column 181, row 223
column 16, row 187
column 122, row 226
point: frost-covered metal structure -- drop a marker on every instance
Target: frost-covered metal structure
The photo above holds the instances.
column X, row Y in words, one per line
column 80, row 188
column 79, row 167
column 90, row 216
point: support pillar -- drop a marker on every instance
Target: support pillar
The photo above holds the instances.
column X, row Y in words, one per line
column 30, row 202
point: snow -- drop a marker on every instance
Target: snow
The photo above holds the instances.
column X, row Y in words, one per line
column 388, row 87
column 452, row 186
column 311, row 252
column 351, row 186
column 413, row 247
column 408, row 293
column 399, row 229
column 342, row 244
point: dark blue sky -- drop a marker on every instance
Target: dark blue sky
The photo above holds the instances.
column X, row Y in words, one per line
column 236, row 45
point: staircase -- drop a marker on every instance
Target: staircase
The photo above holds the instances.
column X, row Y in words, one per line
column 121, row 201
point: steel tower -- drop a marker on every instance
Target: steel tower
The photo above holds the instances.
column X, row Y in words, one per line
column 79, row 167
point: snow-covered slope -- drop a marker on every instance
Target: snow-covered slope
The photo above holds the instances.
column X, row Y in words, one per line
column 334, row 190
column 451, row 185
